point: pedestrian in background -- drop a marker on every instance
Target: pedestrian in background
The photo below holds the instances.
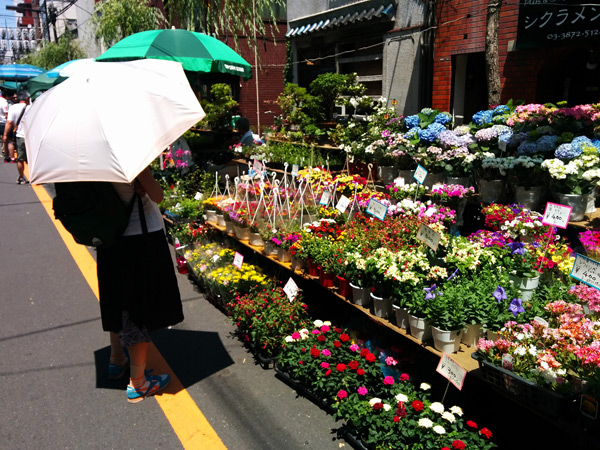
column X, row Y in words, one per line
column 13, row 133
column 3, row 114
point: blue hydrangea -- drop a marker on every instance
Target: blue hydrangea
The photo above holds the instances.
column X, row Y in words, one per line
column 596, row 143
column 526, row 148
column 506, row 138
column 482, row 117
column 431, row 133
column 412, row 121
column 412, row 133
column 546, row 144
column 500, row 109
column 443, row 118
column 566, row 151
column 579, row 143
column 426, row 111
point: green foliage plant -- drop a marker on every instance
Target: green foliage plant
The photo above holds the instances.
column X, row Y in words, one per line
column 219, row 107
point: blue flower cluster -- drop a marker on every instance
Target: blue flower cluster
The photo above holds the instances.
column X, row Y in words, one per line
column 579, row 143
column 443, row 118
column 482, row 117
column 412, row 133
column 527, row 148
column 546, row 144
column 565, row 151
column 431, row 133
column 412, row 121
column 500, row 109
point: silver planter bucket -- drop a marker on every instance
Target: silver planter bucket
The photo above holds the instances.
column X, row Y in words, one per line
column 529, row 197
column 490, row 191
column 575, row 201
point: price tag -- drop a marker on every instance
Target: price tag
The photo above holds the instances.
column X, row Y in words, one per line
column 557, row 215
column 291, row 289
column 342, row 204
column 325, row 198
column 198, row 196
column 540, row 321
column 507, row 362
column 429, row 237
column 257, row 166
column 295, row 169
column 586, row 270
column 449, row 369
column 238, row 260
column 377, row 209
column 502, row 146
column 420, row 174
column 216, row 258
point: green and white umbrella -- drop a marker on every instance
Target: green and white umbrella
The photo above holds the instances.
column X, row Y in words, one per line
column 197, row 52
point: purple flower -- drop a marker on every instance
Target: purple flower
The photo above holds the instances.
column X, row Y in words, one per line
column 453, row 275
column 517, row 248
column 430, row 292
column 500, row 294
column 516, row 306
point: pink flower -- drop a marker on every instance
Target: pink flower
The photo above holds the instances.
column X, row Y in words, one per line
column 315, row 331
column 325, row 365
column 325, row 352
column 362, row 390
column 325, row 328
column 342, row 394
column 388, row 380
column 295, row 335
column 354, row 348
column 390, row 361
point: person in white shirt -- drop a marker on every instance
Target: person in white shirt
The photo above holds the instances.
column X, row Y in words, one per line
column 13, row 121
column 3, row 113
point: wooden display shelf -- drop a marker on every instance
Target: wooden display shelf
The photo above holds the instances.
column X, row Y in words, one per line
column 462, row 357
column 592, row 221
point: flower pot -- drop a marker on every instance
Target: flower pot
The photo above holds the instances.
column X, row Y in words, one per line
column 525, row 285
column 344, row 287
column 242, row 233
column 312, row 268
column 490, row 191
column 211, row 216
column 491, row 335
column 577, row 202
column 386, row 174
column 471, row 334
column 229, row 227
column 529, row 196
column 221, row 220
column 283, row 255
column 298, row 263
column 419, row 327
column 360, row 296
column 462, row 181
column 256, row 240
column 326, row 279
column 433, row 179
column 459, row 208
column 405, row 177
column 401, row 316
column 382, row 306
column 590, row 207
column 446, row 341
column 270, row 248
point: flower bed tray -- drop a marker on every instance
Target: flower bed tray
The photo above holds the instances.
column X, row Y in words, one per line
column 266, row 362
column 525, row 391
column 303, row 390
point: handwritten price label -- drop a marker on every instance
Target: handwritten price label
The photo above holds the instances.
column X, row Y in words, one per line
column 325, row 198
column 557, row 215
column 295, row 168
column 257, row 166
column 429, row 237
column 586, row 270
column 291, row 289
column 377, row 209
column 238, row 260
column 342, row 204
column 449, row 369
column 420, row 174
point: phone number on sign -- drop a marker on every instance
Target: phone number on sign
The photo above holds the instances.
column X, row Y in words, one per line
column 572, row 35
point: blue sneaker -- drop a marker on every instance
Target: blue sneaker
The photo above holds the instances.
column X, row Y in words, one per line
column 153, row 384
column 116, row 371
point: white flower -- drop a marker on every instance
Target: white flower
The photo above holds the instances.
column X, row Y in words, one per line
column 532, row 350
column 425, row 423
column 448, row 416
column 439, row 429
column 520, row 351
column 318, row 323
column 425, row 386
column 456, row 410
column 386, row 407
column 289, row 339
column 374, row 401
column 402, row 398
column 437, row 407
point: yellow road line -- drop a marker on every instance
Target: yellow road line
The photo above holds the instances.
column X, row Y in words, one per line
column 188, row 422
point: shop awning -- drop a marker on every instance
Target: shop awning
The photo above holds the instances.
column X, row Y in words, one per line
column 355, row 13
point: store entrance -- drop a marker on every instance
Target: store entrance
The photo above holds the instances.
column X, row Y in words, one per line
column 469, row 87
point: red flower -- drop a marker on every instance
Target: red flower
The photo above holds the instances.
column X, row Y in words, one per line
column 360, row 372
column 353, row 365
column 315, row 352
column 321, row 338
column 397, row 419
column 471, row 424
column 328, row 372
column 404, row 377
column 340, row 367
column 445, row 448
column 337, row 344
column 300, row 362
column 371, row 357
column 417, row 405
column 344, row 337
column 487, row 433
column 458, row 445
column 378, row 406
column 364, row 352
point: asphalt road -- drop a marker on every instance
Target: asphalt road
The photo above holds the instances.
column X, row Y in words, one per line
column 53, row 358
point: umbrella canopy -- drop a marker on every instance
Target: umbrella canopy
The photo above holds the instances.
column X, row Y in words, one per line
column 19, row 72
column 197, row 52
column 41, row 83
column 108, row 122
column 68, row 68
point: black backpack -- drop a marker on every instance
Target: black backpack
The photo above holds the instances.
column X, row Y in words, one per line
column 91, row 211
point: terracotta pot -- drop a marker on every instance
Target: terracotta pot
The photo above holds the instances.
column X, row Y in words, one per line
column 312, row 268
column 344, row 286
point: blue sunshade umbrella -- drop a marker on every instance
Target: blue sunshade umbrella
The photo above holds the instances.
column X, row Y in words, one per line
column 19, row 72
column 66, row 69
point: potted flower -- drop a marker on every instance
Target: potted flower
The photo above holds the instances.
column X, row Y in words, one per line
column 521, row 263
column 412, row 191
column 491, row 172
column 590, row 239
column 355, row 274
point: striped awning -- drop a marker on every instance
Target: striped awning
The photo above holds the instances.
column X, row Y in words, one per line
column 355, row 13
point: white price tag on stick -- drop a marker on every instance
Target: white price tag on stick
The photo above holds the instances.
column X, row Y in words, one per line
column 420, row 174
column 342, row 204
column 452, row 371
column 325, row 198
column 238, row 260
column 586, row 270
column 557, row 215
column 429, row 237
column 377, row 209
column 291, row 289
